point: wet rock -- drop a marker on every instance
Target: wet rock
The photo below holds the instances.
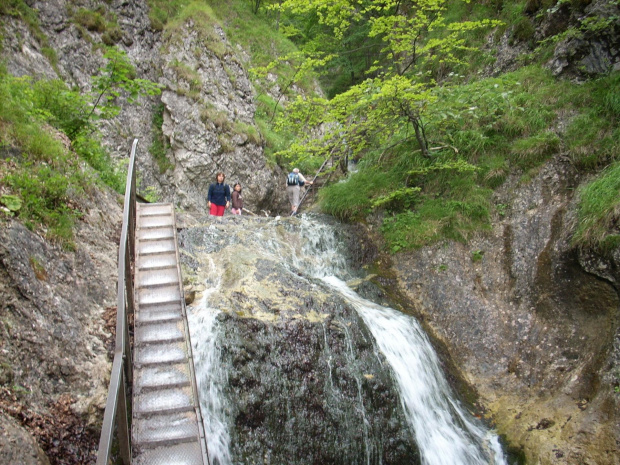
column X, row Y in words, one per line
column 305, row 381
column 533, row 328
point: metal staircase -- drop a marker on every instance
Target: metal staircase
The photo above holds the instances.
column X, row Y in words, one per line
column 166, row 420
column 152, row 414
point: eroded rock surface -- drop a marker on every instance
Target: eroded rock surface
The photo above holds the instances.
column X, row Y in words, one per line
column 534, row 331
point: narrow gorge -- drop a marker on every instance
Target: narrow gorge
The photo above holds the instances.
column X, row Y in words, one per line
column 520, row 326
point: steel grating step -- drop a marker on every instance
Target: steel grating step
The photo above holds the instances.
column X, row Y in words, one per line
column 160, row 354
column 158, row 430
column 158, row 295
column 162, row 314
column 156, row 247
column 180, row 454
column 153, row 377
column 160, row 401
column 165, row 232
column 155, row 208
column 159, row 277
column 160, row 332
column 159, row 261
column 155, row 221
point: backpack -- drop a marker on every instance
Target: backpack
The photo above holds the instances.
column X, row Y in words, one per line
column 293, row 180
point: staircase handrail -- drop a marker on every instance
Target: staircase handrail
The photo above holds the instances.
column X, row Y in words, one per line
column 117, row 408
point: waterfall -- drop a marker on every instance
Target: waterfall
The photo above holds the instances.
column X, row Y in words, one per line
column 211, row 377
column 311, row 250
column 445, row 433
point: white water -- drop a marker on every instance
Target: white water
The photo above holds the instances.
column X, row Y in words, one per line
column 445, row 433
column 210, row 377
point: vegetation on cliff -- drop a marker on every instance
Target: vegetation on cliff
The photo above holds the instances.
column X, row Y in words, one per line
column 408, row 93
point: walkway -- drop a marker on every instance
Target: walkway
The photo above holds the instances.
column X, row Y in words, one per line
column 167, row 426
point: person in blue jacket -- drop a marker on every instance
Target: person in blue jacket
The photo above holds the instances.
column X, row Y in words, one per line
column 218, row 197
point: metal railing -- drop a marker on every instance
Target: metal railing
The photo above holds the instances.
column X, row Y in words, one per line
column 117, row 408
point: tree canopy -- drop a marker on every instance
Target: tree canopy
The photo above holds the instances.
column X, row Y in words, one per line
column 391, row 103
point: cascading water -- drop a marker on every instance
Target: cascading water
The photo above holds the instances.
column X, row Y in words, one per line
column 445, row 433
column 341, row 379
column 211, row 377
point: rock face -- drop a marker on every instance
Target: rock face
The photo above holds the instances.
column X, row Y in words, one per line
column 27, row 451
column 53, row 340
column 585, row 33
column 208, row 122
column 532, row 329
column 207, row 101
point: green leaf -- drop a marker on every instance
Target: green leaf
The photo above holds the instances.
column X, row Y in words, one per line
column 12, row 202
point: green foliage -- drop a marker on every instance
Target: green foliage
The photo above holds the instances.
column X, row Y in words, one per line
column 160, row 145
column 531, row 151
column 477, row 255
column 45, row 178
column 90, row 149
column 20, row 9
column 599, row 211
column 162, row 12
column 12, row 203
column 434, row 220
column 116, row 78
column 46, row 194
column 92, row 20
column 351, row 199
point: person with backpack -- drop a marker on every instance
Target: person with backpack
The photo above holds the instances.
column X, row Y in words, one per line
column 294, row 182
column 218, row 197
column 237, row 200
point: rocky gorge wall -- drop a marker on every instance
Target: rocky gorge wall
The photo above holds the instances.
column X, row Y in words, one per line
column 531, row 323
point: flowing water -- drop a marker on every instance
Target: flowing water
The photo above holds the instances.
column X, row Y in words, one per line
column 315, row 252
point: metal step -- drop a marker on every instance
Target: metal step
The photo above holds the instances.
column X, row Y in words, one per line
column 155, row 221
column 165, row 430
column 159, row 314
column 180, row 454
column 159, row 333
column 161, row 376
column 157, row 247
column 157, row 277
column 160, row 354
column 158, row 295
column 163, row 401
column 155, row 233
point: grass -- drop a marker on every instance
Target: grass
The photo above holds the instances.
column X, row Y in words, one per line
column 43, row 180
column 510, row 124
column 599, row 211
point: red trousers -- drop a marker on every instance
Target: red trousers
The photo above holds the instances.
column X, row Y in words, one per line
column 217, row 210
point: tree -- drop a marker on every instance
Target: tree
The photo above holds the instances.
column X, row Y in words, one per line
column 118, row 77
column 394, row 99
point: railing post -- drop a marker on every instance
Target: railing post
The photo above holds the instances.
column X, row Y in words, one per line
column 122, row 422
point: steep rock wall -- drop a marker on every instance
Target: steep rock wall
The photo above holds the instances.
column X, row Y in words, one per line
column 528, row 326
column 208, row 121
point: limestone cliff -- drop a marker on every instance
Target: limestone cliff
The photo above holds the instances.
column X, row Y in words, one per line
column 207, row 100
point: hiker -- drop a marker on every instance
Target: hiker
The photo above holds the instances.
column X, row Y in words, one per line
column 237, row 200
column 294, row 182
column 218, row 197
